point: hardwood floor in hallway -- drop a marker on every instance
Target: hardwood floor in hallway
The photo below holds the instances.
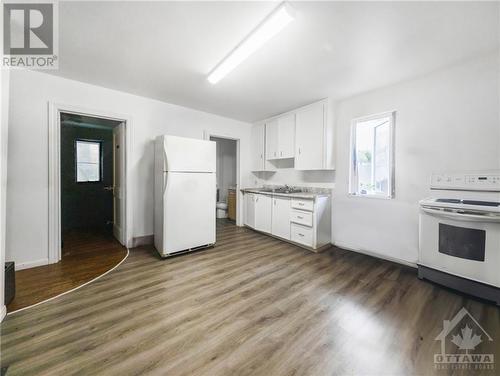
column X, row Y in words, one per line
column 252, row 305
column 85, row 256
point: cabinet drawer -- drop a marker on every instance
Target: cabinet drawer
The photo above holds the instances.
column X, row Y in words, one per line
column 302, row 217
column 303, row 204
column 301, row 234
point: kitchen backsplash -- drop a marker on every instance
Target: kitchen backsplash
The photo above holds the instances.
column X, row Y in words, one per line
column 325, row 190
column 321, row 179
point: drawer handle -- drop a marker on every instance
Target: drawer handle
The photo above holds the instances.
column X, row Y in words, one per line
column 301, row 234
column 300, row 217
column 301, row 204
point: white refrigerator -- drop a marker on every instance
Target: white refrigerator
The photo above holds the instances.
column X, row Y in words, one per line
column 185, row 194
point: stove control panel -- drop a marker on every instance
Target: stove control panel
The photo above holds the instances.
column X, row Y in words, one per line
column 469, row 181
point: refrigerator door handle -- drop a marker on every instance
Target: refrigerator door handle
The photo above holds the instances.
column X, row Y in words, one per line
column 164, row 159
column 164, row 184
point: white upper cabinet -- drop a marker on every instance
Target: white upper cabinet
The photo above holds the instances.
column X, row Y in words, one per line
column 258, row 147
column 314, row 138
column 305, row 134
column 259, row 161
column 280, row 137
column 272, row 141
column 286, row 136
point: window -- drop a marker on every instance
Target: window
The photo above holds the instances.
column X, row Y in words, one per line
column 372, row 156
column 88, row 161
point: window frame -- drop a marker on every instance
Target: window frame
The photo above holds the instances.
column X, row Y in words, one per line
column 87, row 140
column 353, row 173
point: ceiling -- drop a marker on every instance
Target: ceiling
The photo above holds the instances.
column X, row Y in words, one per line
column 338, row 49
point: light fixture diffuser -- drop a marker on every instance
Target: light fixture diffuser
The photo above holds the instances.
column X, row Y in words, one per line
column 267, row 29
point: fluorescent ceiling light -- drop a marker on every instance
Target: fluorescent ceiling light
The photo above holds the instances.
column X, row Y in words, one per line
column 267, row 29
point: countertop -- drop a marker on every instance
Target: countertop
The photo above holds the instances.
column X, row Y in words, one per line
column 303, row 195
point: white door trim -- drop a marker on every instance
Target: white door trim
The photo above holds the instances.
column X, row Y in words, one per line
column 54, row 128
column 239, row 201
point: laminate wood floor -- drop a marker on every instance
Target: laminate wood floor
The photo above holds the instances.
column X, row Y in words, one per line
column 85, row 256
column 252, row 305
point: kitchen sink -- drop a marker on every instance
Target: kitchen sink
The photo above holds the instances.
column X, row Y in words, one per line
column 287, row 191
column 284, row 190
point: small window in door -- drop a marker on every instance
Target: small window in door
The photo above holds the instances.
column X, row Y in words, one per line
column 372, row 156
column 88, row 161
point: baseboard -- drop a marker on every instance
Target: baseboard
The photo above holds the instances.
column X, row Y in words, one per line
column 142, row 240
column 376, row 255
column 31, row 264
column 3, row 312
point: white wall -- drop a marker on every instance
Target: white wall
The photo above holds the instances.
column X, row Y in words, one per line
column 27, row 188
column 445, row 121
column 4, row 117
column 226, row 166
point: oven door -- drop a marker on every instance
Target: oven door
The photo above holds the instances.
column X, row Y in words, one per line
column 462, row 244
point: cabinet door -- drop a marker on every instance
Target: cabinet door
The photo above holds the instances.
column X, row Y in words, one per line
column 286, row 136
column 281, row 217
column 310, row 142
column 250, row 210
column 263, row 213
column 272, row 140
column 258, row 161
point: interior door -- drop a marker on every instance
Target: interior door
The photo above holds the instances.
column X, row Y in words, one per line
column 118, row 179
column 310, row 138
column 281, row 217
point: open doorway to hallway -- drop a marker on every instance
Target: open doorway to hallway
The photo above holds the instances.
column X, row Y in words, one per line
column 92, row 209
column 90, row 174
column 226, row 172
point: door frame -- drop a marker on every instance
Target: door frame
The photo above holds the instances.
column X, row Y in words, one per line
column 54, row 112
column 239, row 196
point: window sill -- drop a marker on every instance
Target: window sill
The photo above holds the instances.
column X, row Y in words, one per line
column 371, row 196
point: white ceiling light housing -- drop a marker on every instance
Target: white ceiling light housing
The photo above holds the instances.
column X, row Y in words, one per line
column 267, row 29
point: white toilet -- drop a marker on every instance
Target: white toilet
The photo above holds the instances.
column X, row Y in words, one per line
column 221, row 210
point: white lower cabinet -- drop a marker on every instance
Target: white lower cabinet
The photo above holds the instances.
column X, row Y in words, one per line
column 302, row 217
column 302, row 234
column 249, row 210
column 306, row 222
column 281, row 217
column 263, row 213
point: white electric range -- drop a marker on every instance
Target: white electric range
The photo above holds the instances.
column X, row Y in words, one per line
column 459, row 233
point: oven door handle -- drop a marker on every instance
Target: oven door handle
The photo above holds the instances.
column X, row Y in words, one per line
column 461, row 216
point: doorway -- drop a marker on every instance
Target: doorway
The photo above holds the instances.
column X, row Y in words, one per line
column 87, row 208
column 226, row 172
column 90, row 164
